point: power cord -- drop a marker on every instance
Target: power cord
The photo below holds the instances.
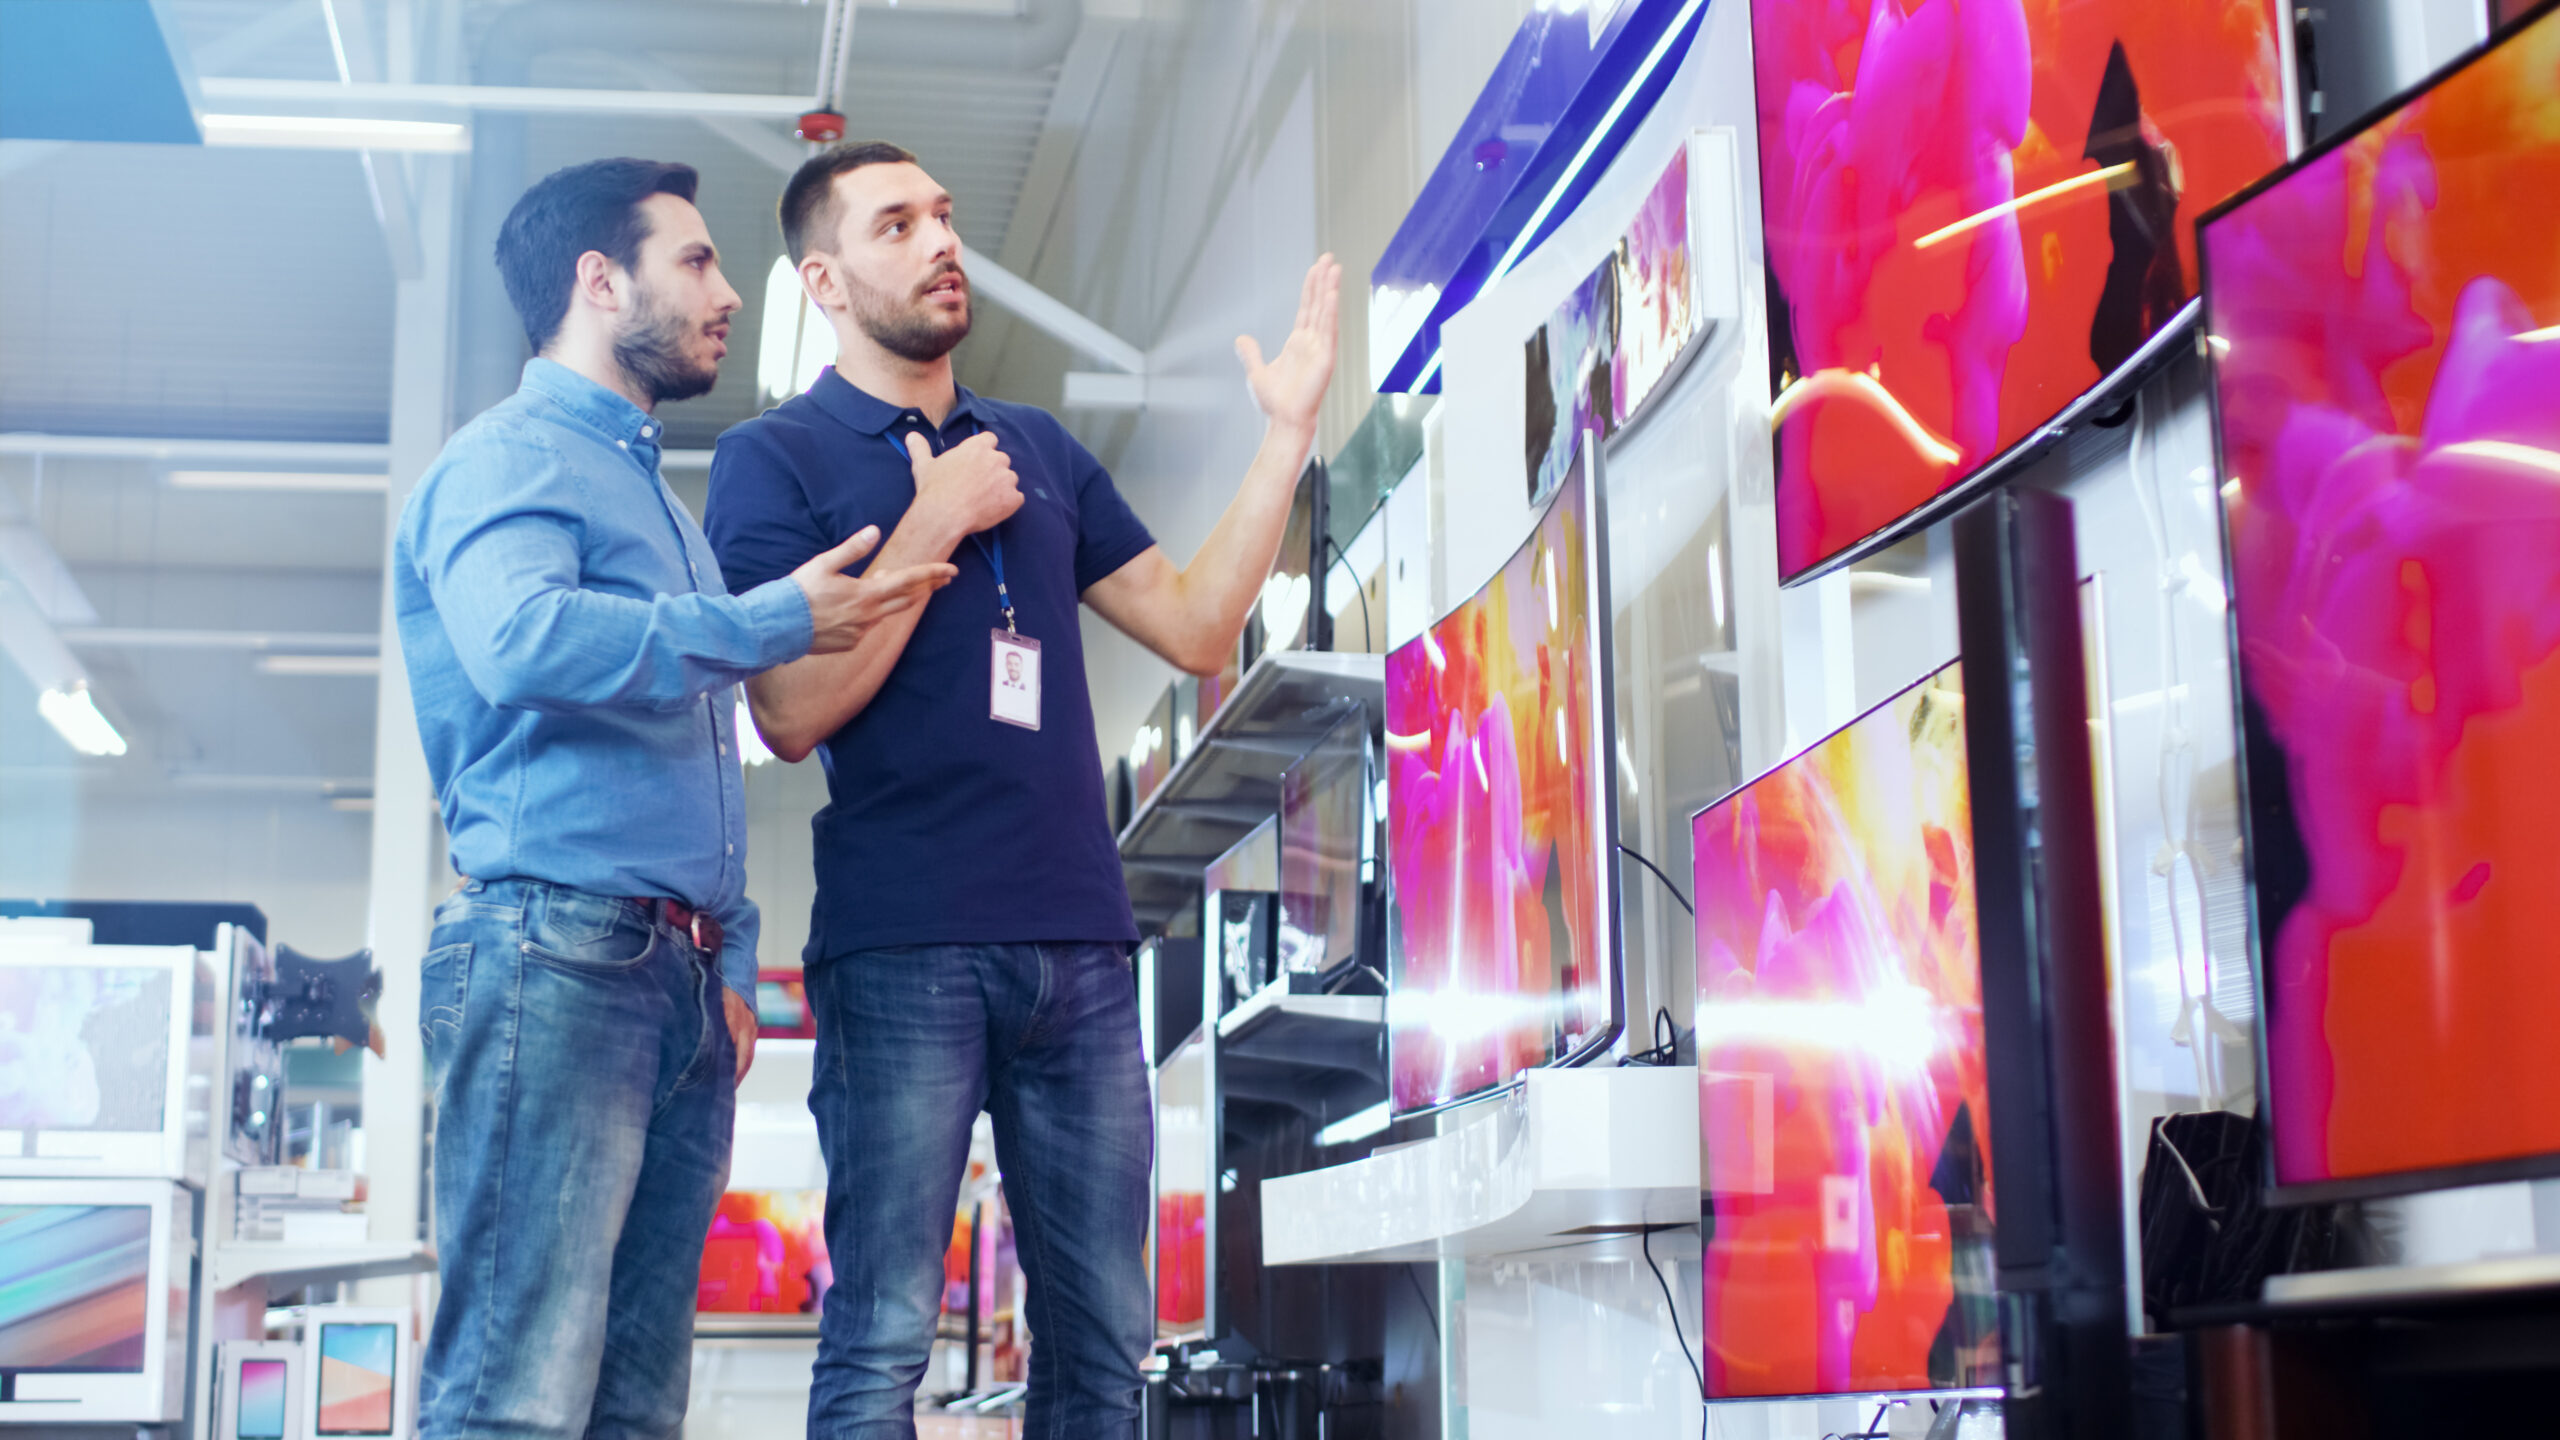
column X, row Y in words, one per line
column 1630, row 852
column 1645, row 1242
column 1666, row 1042
column 1335, row 550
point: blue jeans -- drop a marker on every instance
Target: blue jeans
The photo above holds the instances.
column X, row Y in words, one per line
column 912, row 1043
column 585, row 1093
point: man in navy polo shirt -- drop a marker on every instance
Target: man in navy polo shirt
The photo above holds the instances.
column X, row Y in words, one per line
column 969, row 945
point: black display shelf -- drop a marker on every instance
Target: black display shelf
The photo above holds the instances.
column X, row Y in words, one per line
column 1230, row 782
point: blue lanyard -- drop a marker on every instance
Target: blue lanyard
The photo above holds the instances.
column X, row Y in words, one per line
column 990, row 544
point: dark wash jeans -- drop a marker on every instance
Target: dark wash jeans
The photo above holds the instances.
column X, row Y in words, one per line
column 585, row 1100
column 912, row 1043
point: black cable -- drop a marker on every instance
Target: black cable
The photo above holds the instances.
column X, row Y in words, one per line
column 1645, row 1241
column 1366, row 643
column 1629, row 852
column 1412, row 1272
column 1666, row 1048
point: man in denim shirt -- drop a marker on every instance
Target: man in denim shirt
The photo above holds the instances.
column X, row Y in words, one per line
column 574, row 655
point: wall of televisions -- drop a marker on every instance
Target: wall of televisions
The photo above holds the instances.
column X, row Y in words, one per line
column 1978, row 579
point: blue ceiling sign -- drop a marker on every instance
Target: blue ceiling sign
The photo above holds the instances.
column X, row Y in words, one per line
column 94, row 70
column 1565, row 98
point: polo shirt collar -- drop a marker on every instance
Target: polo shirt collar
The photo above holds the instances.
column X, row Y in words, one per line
column 591, row 404
column 871, row 415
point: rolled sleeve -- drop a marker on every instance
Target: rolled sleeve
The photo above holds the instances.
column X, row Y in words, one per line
column 779, row 611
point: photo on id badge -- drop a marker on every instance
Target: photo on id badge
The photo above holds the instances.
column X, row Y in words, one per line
column 1013, row 680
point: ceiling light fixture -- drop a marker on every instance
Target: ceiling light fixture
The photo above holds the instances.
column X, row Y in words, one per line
column 337, row 132
column 360, row 666
column 301, row 481
column 74, row 716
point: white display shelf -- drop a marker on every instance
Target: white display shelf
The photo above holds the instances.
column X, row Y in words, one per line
column 287, row 1268
column 1570, row 1157
column 1230, row 782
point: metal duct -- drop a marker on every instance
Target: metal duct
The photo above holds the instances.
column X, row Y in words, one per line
column 490, row 346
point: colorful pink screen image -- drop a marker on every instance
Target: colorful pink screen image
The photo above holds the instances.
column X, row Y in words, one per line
column 766, row 1254
column 1974, row 211
column 359, row 1366
column 1500, row 957
column 262, row 1400
column 1842, row 1098
column 2387, row 318
column 1182, row 1191
column 1657, row 306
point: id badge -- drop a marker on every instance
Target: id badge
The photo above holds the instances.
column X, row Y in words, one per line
column 1013, row 679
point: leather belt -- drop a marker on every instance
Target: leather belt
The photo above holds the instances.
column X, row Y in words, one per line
column 694, row 925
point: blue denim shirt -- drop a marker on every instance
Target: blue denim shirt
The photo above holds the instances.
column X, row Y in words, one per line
column 573, row 652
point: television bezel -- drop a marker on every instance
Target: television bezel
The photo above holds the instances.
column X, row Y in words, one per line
column 121, row 1154
column 1355, row 719
column 2109, row 392
column 1590, row 466
column 1931, row 676
column 404, row 1375
column 1204, row 1041
column 2386, row 1184
column 156, row 1393
column 229, row 1356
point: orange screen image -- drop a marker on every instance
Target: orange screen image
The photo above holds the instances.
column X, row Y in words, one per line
column 1975, row 210
column 2388, row 322
column 1843, row 1098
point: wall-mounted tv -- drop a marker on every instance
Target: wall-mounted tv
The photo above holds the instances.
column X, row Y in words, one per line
column 93, row 1292
column 1975, row 213
column 1324, row 836
column 2386, row 317
column 94, row 1056
column 1502, row 928
column 1844, row 1103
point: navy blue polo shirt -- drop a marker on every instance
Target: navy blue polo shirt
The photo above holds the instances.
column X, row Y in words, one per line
column 945, row 826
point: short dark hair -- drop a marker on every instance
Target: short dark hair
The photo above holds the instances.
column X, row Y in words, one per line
column 595, row 206
column 809, row 201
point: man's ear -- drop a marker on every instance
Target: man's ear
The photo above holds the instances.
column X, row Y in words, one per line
column 818, row 279
column 599, row 282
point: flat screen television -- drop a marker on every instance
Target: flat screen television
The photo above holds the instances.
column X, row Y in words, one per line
column 93, row 1300
column 255, row 1135
column 766, row 1254
column 1185, row 1157
column 1843, row 1096
column 1325, row 838
column 2386, row 319
column 359, row 1372
column 94, row 1055
column 1975, row 213
column 1239, row 899
column 1502, row 928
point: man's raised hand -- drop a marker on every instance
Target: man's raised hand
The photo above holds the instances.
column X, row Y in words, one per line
column 1290, row 388
column 841, row 607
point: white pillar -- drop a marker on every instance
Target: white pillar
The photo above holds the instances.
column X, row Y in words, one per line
column 405, row 822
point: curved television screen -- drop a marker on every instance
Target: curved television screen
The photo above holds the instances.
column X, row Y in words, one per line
column 1843, row 1090
column 1975, row 212
column 1502, row 951
column 2387, row 320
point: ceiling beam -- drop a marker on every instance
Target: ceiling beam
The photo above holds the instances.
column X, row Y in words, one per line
column 513, row 99
column 317, row 454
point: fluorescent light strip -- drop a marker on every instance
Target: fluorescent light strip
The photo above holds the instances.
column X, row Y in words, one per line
column 2054, row 191
column 1573, row 169
column 336, row 132
column 301, row 481
column 332, row 666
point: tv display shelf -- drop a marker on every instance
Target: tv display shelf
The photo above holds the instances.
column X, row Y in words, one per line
column 1230, row 782
column 289, row 1268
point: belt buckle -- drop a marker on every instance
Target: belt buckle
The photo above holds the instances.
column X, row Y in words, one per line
column 705, row 933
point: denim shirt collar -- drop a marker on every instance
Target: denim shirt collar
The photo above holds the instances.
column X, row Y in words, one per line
column 613, row 416
column 871, row 415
